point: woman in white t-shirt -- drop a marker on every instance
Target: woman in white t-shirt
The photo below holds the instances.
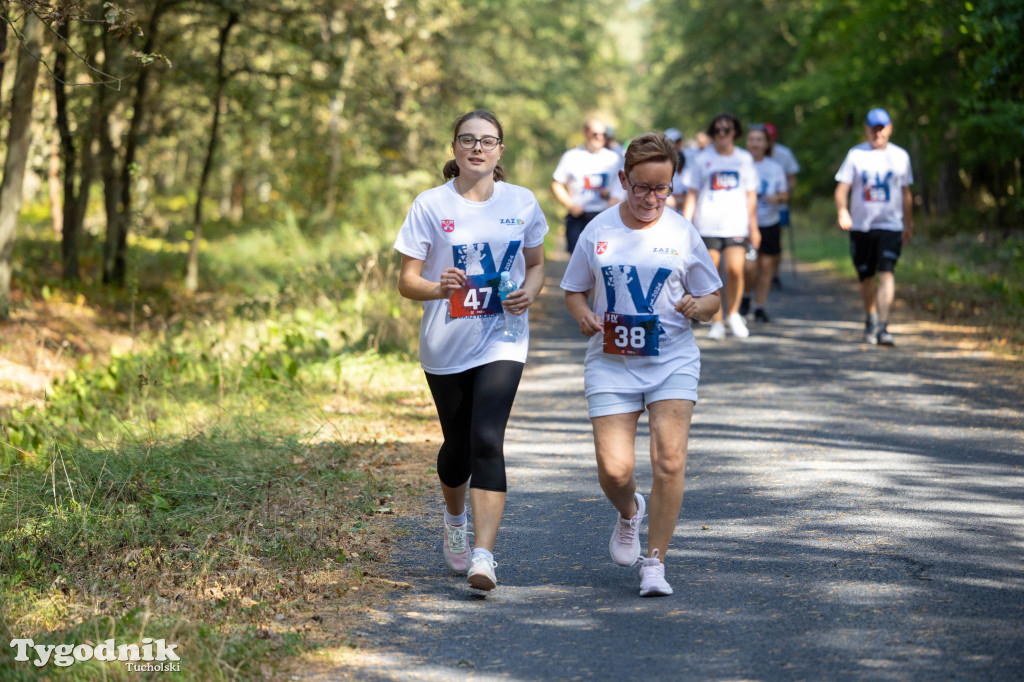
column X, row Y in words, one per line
column 721, row 200
column 772, row 194
column 649, row 273
column 455, row 241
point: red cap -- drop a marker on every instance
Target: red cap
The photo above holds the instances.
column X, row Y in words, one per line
column 771, row 130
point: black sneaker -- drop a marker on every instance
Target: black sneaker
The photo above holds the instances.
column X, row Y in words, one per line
column 885, row 338
column 744, row 306
column 776, row 283
column 871, row 334
column 761, row 316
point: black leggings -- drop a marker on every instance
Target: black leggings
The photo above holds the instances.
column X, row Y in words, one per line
column 474, row 407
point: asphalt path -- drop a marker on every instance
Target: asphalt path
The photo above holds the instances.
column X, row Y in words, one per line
column 851, row 512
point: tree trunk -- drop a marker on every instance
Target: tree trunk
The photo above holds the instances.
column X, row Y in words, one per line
column 115, row 265
column 69, row 238
column 335, row 127
column 53, row 177
column 19, row 136
column 192, row 269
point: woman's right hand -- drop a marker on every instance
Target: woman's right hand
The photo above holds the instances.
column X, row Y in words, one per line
column 591, row 323
column 452, row 279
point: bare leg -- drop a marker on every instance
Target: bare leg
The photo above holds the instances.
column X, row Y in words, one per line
column 885, row 295
column 488, row 506
column 735, row 257
column 454, row 498
column 614, row 438
column 867, row 295
column 670, row 430
column 716, row 258
column 767, row 266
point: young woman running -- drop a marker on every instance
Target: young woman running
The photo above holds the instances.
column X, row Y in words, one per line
column 649, row 273
column 455, row 242
column 772, row 192
column 721, row 200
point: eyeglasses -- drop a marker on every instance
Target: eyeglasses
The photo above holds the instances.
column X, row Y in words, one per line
column 640, row 191
column 488, row 142
column 597, row 134
column 722, row 130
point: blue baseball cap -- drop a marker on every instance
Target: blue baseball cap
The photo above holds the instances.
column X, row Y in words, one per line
column 878, row 117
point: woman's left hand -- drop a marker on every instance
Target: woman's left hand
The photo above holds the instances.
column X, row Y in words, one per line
column 517, row 302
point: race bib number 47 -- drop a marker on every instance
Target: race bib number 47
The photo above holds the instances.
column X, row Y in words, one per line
column 630, row 334
column 478, row 297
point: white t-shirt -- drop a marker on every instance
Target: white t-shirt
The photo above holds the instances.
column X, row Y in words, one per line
column 722, row 183
column 772, row 180
column 585, row 175
column 445, row 230
column 641, row 272
column 783, row 155
column 876, row 178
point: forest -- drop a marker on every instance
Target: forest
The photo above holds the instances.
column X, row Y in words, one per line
column 210, row 401
column 153, row 119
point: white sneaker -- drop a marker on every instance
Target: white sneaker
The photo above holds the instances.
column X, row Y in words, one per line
column 717, row 331
column 624, row 545
column 481, row 573
column 652, row 578
column 737, row 326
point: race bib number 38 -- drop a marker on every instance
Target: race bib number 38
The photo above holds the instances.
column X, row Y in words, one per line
column 478, row 297
column 630, row 334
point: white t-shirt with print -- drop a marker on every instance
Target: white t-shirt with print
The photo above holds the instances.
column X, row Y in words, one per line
column 876, row 178
column 722, row 183
column 585, row 174
column 641, row 272
column 445, row 230
column 771, row 180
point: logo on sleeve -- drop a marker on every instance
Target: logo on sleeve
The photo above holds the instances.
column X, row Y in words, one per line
column 601, row 247
column 448, row 225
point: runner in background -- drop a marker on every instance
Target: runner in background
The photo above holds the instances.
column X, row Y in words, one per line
column 721, row 200
column 454, row 242
column 879, row 219
column 583, row 180
column 783, row 156
column 649, row 273
column 772, row 193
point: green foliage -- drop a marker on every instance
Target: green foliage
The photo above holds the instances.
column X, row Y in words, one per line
column 949, row 73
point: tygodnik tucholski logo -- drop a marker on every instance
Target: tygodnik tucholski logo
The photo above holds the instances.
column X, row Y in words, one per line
column 154, row 655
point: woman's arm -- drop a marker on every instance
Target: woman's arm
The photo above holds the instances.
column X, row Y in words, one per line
column 701, row 308
column 590, row 322
column 412, row 284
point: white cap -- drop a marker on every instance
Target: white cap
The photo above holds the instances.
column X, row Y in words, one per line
column 673, row 134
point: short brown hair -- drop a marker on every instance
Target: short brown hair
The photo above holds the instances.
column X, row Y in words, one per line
column 650, row 147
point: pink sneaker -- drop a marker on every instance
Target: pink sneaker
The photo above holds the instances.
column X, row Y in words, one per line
column 624, row 545
column 652, row 578
column 456, row 549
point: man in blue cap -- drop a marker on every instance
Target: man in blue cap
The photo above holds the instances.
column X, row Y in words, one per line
column 878, row 217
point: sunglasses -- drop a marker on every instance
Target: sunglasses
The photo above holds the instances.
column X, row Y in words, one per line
column 722, row 130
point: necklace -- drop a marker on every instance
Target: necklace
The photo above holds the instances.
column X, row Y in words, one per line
column 455, row 182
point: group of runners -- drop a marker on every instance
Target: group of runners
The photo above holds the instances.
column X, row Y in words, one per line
column 638, row 278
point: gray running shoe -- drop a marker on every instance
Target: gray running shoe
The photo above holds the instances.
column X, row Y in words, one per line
column 885, row 338
column 870, row 334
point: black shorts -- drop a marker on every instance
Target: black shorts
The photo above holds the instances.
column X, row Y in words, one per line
column 875, row 251
column 574, row 228
column 771, row 240
column 722, row 243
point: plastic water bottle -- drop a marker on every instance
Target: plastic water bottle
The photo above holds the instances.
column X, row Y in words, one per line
column 514, row 324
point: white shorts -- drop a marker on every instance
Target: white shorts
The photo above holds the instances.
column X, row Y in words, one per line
column 675, row 387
